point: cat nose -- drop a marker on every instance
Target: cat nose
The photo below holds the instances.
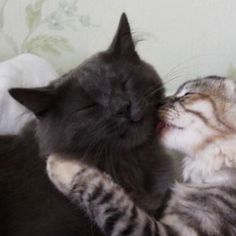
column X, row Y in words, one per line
column 137, row 115
column 169, row 101
column 124, row 109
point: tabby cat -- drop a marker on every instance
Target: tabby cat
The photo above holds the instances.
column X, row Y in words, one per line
column 199, row 120
column 101, row 109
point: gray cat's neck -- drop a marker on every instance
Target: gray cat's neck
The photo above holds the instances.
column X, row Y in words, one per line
column 145, row 173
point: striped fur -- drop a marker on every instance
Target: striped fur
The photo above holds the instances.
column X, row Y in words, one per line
column 193, row 210
column 205, row 204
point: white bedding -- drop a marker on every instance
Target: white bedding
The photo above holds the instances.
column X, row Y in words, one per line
column 25, row 70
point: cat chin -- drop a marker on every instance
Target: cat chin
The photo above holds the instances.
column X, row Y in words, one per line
column 137, row 134
column 170, row 136
column 138, row 137
column 131, row 142
column 164, row 126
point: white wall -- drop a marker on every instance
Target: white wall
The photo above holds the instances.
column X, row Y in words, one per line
column 197, row 37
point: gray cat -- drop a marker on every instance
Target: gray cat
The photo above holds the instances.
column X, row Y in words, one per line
column 199, row 120
column 103, row 111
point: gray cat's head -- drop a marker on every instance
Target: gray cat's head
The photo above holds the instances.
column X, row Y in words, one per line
column 106, row 103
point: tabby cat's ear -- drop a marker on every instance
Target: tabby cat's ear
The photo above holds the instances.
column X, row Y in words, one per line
column 123, row 44
column 38, row 100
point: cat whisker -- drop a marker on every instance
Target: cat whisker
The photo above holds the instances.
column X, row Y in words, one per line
column 187, row 60
column 164, row 84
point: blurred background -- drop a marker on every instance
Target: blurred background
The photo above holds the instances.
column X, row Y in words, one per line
column 182, row 39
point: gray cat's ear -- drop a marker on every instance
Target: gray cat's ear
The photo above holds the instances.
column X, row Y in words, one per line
column 38, row 100
column 123, row 44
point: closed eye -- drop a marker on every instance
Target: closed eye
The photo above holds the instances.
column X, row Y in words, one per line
column 86, row 107
column 188, row 93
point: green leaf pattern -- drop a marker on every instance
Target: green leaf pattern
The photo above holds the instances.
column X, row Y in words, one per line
column 64, row 17
column 47, row 43
column 33, row 14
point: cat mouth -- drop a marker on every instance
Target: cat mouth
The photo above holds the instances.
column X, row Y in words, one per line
column 127, row 127
column 133, row 134
column 163, row 125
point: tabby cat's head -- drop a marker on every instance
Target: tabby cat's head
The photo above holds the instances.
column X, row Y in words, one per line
column 200, row 115
column 104, row 104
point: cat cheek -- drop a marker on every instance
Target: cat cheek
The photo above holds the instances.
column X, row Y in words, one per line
column 61, row 172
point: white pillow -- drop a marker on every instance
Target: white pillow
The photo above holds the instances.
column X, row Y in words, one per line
column 25, row 70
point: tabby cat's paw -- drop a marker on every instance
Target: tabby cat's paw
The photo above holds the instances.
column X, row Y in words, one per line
column 62, row 171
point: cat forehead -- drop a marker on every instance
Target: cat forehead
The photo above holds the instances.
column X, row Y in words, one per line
column 99, row 69
column 213, row 85
column 88, row 74
column 92, row 81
